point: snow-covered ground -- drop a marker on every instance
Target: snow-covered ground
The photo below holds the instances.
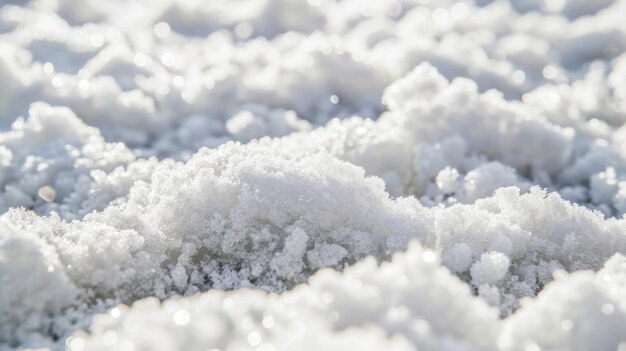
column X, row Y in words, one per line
column 313, row 175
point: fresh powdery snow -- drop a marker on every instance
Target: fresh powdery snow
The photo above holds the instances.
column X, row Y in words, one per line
column 313, row 175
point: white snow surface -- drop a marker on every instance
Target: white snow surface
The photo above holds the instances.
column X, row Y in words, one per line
column 312, row 175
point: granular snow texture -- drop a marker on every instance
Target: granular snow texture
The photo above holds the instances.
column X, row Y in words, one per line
column 313, row 175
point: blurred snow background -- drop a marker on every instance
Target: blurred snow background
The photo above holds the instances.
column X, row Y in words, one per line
column 312, row 174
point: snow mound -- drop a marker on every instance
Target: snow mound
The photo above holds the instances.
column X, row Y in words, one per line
column 577, row 312
column 240, row 216
column 403, row 304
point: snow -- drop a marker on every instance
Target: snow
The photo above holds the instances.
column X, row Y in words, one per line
column 414, row 299
column 320, row 174
column 490, row 269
